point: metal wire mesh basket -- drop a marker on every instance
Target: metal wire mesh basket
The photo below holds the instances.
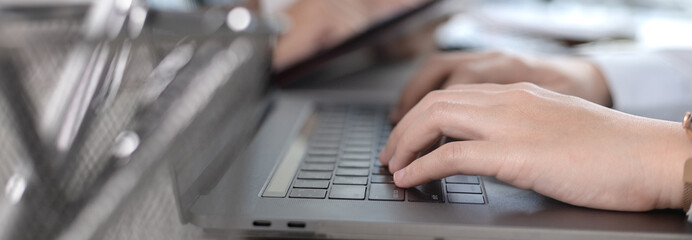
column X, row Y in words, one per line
column 94, row 97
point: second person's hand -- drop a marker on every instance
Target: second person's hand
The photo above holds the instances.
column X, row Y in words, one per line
column 567, row 75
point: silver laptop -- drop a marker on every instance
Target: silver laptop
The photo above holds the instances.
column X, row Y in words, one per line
column 303, row 164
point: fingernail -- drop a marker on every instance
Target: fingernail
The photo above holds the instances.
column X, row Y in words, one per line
column 398, row 175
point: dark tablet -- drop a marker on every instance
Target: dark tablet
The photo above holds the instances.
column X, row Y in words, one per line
column 292, row 73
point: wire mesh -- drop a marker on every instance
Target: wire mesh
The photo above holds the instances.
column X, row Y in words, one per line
column 35, row 51
column 66, row 191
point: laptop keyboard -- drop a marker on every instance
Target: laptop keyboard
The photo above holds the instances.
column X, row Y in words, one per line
column 342, row 163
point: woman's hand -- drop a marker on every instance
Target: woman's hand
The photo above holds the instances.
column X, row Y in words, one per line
column 571, row 76
column 321, row 24
column 560, row 146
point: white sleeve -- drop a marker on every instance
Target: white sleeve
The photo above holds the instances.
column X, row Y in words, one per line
column 651, row 84
column 273, row 7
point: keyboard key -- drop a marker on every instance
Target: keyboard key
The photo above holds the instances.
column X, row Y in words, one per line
column 320, row 159
column 361, row 141
column 331, row 124
column 364, row 112
column 321, row 148
column 463, row 188
column 358, row 143
column 360, row 130
column 362, row 172
column 359, row 135
column 328, row 131
column 358, row 150
column 466, row 198
column 318, row 166
column 323, row 184
column 347, row 192
column 323, row 152
column 350, row 180
column 326, row 138
column 377, row 163
column 463, row 179
column 324, row 145
column 308, row 193
column 378, row 170
column 365, row 123
column 386, row 192
column 429, row 192
column 332, row 118
column 315, row 175
column 331, row 109
column 354, row 164
column 382, row 179
column 365, row 109
column 356, row 157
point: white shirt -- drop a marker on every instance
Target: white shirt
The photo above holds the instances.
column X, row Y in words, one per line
column 651, row 84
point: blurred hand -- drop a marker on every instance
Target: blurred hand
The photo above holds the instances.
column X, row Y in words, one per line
column 571, row 76
column 320, row 24
column 560, row 146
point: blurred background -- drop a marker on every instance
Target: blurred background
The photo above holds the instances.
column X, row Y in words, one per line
column 95, row 95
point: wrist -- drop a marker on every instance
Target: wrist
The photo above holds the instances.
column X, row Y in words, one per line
column 677, row 148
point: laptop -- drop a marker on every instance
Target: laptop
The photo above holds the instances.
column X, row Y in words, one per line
column 303, row 164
